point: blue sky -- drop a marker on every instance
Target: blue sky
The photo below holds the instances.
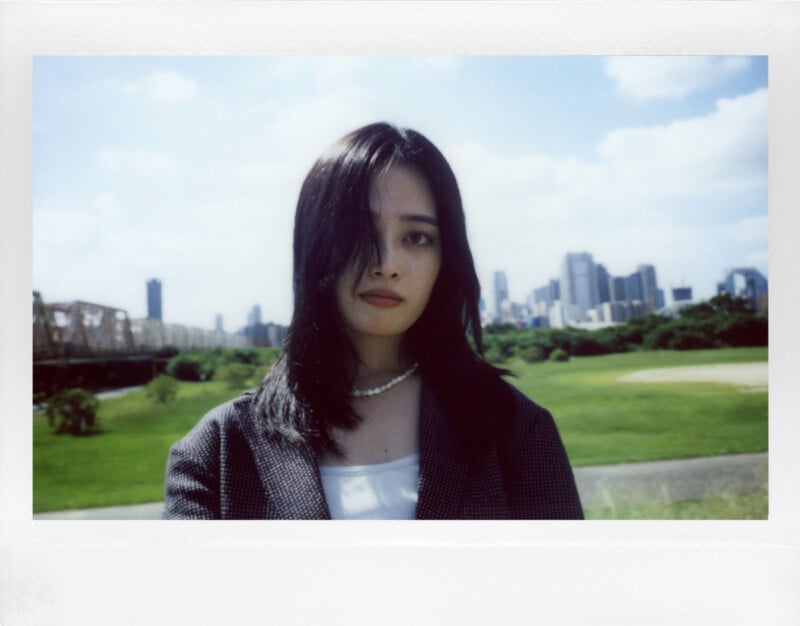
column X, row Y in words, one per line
column 188, row 168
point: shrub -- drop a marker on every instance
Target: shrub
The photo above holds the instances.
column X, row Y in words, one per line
column 191, row 367
column 493, row 355
column 73, row 411
column 534, row 354
column 235, row 374
column 744, row 330
column 690, row 339
column 500, row 348
column 559, row 354
column 162, row 388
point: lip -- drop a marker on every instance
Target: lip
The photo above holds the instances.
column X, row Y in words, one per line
column 381, row 297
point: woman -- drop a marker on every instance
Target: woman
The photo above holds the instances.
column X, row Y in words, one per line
column 378, row 407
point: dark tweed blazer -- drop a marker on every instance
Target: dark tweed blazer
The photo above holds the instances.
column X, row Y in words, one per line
column 225, row 468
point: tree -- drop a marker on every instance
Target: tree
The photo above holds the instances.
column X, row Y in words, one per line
column 73, row 411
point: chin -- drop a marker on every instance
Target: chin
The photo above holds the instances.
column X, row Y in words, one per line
column 377, row 329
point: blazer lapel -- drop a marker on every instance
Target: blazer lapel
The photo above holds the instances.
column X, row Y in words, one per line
column 289, row 473
column 444, row 465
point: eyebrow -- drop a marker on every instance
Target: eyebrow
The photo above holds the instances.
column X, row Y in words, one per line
column 427, row 219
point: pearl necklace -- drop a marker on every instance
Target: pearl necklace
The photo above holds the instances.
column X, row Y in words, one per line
column 374, row 391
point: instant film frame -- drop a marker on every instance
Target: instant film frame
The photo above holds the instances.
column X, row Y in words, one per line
column 566, row 573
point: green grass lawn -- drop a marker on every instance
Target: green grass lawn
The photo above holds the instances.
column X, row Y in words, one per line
column 124, row 464
column 748, row 506
column 601, row 421
column 604, row 421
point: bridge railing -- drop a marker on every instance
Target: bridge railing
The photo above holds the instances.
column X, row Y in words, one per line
column 84, row 330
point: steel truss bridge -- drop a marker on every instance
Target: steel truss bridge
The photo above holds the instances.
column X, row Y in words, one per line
column 82, row 330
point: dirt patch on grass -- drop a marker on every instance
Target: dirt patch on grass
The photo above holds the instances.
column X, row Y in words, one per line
column 750, row 376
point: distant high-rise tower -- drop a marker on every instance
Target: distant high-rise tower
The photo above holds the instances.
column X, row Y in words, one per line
column 650, row 295
column 578, row 286
column 154, row 299
column 603, row 291
column 254, row 317
column 634, row 291
column 746, row 282
column 616, row 286
column 500, row 294
column 218, row 323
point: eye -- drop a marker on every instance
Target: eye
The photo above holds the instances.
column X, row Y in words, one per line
column 420, row 239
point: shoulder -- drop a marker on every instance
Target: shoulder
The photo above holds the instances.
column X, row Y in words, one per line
column 198, row 463
column 525, row 416
column 218, row 425
column 538, row 474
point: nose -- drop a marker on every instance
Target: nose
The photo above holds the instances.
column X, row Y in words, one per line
column 386, row 263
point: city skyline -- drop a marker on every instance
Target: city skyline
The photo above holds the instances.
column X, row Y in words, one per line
column 188, row 168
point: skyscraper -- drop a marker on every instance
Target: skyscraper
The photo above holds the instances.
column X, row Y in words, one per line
column 650, row 295
column 500, row 294
column 746, row 282
column 617, row 289
column 578, row 286
column 634, row 292
column 154, row 299
column 603, row 291
column 218, row 323
column 254, row 317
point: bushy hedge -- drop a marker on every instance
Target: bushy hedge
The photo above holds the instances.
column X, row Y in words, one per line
column 235, row 374
column 202, row 365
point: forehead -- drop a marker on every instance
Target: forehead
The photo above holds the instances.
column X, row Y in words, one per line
column 401, row 190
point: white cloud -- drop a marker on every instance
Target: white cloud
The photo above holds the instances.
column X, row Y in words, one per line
column 724, row 151
column 671, row 77
column 164, row 88
column 140, row 162
column 657, row 194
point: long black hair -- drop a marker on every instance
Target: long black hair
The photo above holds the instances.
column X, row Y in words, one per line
column 307, row 391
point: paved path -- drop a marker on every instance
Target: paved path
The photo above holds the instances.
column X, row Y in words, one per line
column 683, row 479
column 599, row 486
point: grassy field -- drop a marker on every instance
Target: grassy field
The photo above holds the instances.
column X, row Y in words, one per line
column 600, row 419
column 124, row 464
column 605, row 421
column 748, row 506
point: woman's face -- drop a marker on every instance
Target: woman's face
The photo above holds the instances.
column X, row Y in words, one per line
column 393, row 292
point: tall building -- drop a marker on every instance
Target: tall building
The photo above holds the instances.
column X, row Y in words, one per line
column 500, row 294
column 542, row 299
column 218, row 323
column 603, row 290
column 649, row 284
column 746, row 282
column 254, row 317
column 616, row 288
column 578, row 286
column 154, row 299
column 660, row 301
column 634, row 291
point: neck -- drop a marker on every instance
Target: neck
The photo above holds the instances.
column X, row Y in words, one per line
column 379, row 355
